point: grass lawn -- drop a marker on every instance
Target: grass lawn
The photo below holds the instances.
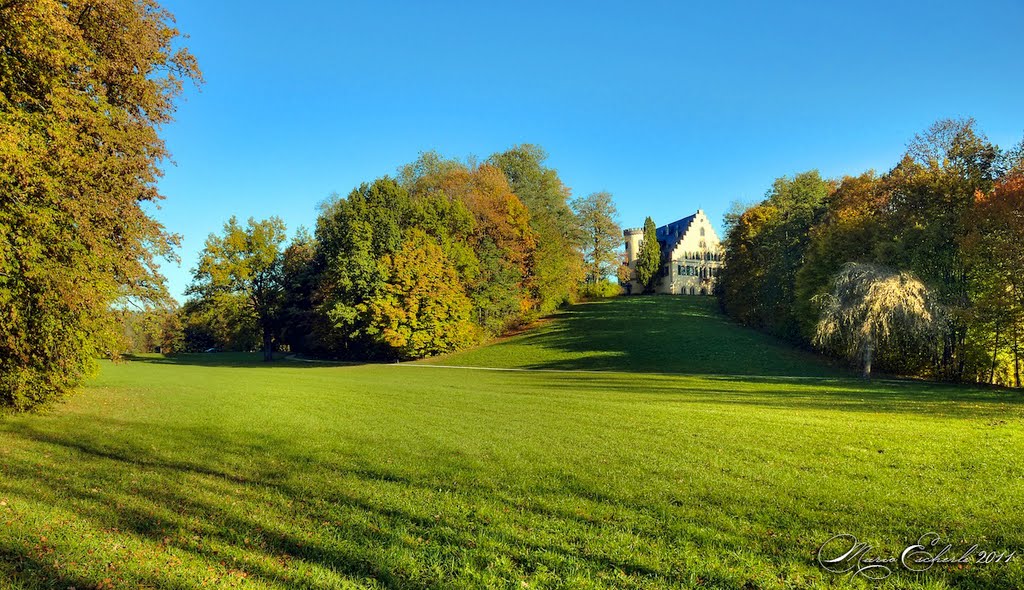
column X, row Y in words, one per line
column 704, row 456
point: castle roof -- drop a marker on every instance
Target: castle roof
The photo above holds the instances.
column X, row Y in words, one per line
column 676, row 229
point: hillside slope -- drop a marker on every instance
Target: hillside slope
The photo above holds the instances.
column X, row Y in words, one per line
column 686, row 335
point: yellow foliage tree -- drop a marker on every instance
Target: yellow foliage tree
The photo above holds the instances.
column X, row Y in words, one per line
column 423, row 308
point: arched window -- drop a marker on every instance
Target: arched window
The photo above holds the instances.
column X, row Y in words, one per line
column 702, row 232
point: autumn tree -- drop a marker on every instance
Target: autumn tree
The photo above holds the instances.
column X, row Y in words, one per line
column 84, row 88
column 994, row 251
column 600, row 236
column 931, row 195
column 557, row 265
column 422, row 308
column 738, row 293
column 505, row 245
column 766, row 246
column 870, row 306
column 850, row 230
column 245, row 262
column 648, row 261
column 153, row 328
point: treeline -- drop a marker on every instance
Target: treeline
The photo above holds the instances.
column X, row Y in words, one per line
column 950, row 213
column 438, row 257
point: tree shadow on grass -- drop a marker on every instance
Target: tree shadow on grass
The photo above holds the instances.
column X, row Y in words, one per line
column 306, row 518
column 147, row 500
column 795, row 393
column 652, row 334
column 246, row 360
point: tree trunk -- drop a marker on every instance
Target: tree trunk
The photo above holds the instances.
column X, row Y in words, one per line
column 869, row 349
column 1016, row 357
column 995, row 350
column 268, row 346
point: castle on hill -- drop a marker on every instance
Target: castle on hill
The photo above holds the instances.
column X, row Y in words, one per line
column 691, row 257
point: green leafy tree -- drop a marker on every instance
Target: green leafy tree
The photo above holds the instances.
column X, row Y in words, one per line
column 557, row 265
column 600, row 236
column 220, row 320
column 799, row 203
column 765, row 247
column 870, row 306
column 299, row 275
column 84, row 89
column 246, row 262
column 154, row 328
column 648, row 261
column 352, row 235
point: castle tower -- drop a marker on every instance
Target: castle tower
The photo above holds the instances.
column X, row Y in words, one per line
column 633, row 238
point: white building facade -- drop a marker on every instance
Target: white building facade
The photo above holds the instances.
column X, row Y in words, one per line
column 691, row 257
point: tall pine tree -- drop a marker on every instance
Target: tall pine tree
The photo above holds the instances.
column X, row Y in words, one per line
column 648, row 263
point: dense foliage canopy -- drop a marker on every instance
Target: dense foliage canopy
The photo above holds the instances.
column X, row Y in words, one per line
column 950, row 213
column 435, row 259
column 83, row 89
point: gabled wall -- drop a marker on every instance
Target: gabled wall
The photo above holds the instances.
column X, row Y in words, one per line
column 691, row 259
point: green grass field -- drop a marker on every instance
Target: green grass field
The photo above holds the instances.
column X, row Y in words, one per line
column 704, row 455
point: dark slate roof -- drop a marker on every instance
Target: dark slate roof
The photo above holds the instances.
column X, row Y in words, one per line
column 670, row 234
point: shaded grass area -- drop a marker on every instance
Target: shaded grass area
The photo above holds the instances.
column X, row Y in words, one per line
column 651, row 334
column 222, row 472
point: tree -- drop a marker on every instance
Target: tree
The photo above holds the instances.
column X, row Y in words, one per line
column 931, row 196
column 870, row 306
column 798, row 203
column 849, row 231
column 648, row 262
column 246, row 262
column 352, row 235
column 422, row 309
column 220, row 320
column 505, row 245
column 623, row 273
column 600, row 236
column 765, row 247
column 556, row 267
column 739, row 292
column 994, row 251
column 84, row 88
column 299, row 273
column 154, row 328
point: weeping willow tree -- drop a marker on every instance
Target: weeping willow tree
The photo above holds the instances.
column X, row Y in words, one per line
column 870, row 306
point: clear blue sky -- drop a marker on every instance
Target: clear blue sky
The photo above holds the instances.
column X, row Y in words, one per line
column 669, row 107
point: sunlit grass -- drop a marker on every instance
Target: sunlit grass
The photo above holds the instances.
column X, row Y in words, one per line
column 218, row 470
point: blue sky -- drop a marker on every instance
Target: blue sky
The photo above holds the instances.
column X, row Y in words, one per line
column 671, row 106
